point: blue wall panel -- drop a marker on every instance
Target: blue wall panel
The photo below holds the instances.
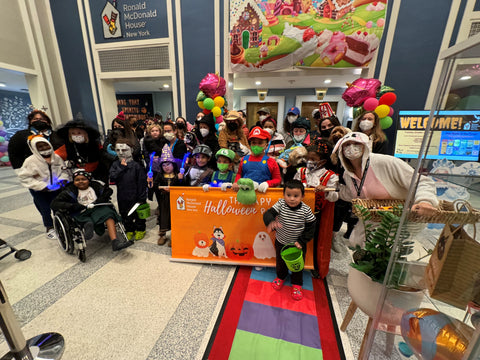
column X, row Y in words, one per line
column 477, row 6
column 456, row 28
column 72, row 52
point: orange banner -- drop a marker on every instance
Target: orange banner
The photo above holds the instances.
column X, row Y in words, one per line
column 213, row 227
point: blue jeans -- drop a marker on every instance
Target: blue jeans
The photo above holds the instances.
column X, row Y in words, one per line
column 42, row 201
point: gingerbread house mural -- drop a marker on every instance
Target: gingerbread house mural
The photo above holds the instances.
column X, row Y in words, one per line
column 247, row 20
column 334, row 9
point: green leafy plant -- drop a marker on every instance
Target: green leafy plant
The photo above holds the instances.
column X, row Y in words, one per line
column 379, row 240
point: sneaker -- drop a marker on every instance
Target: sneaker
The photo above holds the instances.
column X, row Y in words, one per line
column 88, row 230
column 297, row 293
column 139, row 235
column 277, row 284
column 51, row 234
column 119, row 245
column 162, row 240
column 130, row 235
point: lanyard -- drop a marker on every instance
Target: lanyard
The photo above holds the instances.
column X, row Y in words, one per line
column 173, row 146
column 357, row 187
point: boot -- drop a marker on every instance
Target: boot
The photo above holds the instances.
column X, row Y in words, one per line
column 162, row 239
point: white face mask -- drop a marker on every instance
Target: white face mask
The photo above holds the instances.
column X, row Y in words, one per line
column 299, row 138
column 353, row 151
column 204, row 132
column 124, row 152
column 46, row 152
column 170, row 136
column 79, row 139
column 366, row 125
column 262, row 117
column 270, row 131
column 291, row 118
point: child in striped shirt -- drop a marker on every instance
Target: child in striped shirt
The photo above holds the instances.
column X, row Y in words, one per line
column 294, row 223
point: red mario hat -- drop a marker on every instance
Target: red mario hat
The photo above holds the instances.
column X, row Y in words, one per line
column 258, row 133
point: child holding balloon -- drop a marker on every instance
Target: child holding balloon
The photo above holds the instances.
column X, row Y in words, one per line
column 369, row 124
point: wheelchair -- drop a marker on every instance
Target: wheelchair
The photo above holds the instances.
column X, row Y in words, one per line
column 71, row 236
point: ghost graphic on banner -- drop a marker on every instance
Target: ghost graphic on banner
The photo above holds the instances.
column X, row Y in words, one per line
column 263, row 246
column 111, row 21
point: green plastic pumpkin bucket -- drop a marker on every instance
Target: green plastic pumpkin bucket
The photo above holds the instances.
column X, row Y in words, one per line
column 293, row 258
column 143, row 211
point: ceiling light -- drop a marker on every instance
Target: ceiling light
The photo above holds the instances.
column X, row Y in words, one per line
column 230, row 84
column 466, row 77
column 166, row 86
column 258, row 83
column 2, row 84
column 328, row 81
column 357, row 71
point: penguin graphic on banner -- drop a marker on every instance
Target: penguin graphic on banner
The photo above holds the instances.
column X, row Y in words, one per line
column 111, row 21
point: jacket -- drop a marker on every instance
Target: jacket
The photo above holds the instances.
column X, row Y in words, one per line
column 67, row 199
column 131, row 181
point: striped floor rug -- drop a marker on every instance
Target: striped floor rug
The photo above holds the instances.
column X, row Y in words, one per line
column 258, row 322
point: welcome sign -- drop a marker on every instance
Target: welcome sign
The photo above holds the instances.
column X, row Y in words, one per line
column 213, row 227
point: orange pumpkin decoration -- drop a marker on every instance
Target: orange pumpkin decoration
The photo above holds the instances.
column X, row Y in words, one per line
column 201, row 240
column 239, row 250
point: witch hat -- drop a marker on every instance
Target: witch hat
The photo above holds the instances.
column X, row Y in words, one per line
column 166, row 155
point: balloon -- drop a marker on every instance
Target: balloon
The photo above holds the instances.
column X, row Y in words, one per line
column 219, row 101
column 360, row 90
column 382, row 110
column 1, row 123
column 208, row 103
column 1, row 154
column 357, row 111
column 216, row 111
column 387, row 99
column 384, row 89
column 3, row 148
column 369, row 24
column 200, row 104
column 370, row 104
column 3, row 133
column 386, row 122
column 213, row 84
column 206, row 112
column 201, row 96
column 452, row 101
column 390, row 113
column 4, row 159
column 219, row 119
column 2, row 139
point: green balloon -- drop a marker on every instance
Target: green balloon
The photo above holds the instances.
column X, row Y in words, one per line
column 201, row 96
column 386, row 122
column 208, row 103
column 357, row 111
column 384, row 89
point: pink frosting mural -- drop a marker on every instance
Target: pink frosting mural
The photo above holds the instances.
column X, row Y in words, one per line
column 277, row 34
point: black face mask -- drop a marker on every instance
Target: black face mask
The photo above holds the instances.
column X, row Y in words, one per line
column 326, row 133
column 181, row 126
column 40, row 125
column 118, row 133
column 232, row 126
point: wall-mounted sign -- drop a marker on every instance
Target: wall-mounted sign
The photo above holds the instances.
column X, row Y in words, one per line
column 138, row 105
column 128, row 19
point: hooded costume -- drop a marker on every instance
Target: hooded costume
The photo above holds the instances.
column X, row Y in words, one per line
column 211, row 139
column 233, row 138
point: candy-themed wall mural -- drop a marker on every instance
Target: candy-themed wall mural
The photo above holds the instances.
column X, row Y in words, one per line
column 277, row 34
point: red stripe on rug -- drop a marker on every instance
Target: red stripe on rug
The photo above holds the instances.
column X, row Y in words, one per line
column 261, row 292
column 228, row 326
column 325, row 322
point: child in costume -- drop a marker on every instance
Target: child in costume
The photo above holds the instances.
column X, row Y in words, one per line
column 232, row 136
column 277, row 142
column 131, row 180
column 224, row 176
column 166, row 177
column 79, row 197
column 200, row 173
column 259, row 167
column 294, row 224
column 318, row 174
column 42, row 173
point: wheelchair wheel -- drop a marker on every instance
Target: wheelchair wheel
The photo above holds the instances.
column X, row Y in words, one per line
column 63, row 231
column 121, row 234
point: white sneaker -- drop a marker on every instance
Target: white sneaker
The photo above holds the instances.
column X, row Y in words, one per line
column 51, row 234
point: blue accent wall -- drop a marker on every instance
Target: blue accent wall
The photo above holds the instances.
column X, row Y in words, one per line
column 477, row 6
column 72, row 51
column 381, row 47
column 456, row 28
column 198, row 48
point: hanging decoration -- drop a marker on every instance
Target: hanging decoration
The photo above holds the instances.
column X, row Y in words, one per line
column 210, row 98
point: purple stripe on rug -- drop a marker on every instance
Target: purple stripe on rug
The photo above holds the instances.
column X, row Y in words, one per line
column 292, row 326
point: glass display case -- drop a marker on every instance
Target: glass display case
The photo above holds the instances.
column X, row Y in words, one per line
column 445, row 265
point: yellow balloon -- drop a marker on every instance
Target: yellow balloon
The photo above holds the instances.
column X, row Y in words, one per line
column 1, row 123
column 200, row 104
column 216, row 111
column 382, row 110
column 219, row 101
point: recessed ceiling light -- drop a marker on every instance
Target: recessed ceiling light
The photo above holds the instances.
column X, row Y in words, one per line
column 357, row 71
column 466, row 77
column 328, row 81
column 166, row 86
column 2, row 84
column 258, row 83
column 230, row 84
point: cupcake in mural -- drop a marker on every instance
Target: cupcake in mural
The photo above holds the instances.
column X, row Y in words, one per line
column 263, row 50
column 237, row 54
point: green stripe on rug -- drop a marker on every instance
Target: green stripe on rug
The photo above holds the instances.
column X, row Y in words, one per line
column 247, row 345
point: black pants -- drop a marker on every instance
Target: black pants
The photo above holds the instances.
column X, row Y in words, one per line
column 132, row 223
column 42, row 201
column 281, row 267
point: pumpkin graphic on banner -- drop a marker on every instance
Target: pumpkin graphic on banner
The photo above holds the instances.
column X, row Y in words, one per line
column 277, row 34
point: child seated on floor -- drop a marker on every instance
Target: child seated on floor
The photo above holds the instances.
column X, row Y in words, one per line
column 79, row 199
column 224, row 176
column 198, row 174
column 294, row 224
column 259, row 167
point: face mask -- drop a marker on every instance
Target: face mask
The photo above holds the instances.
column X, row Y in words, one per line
column 353, row 151
column 79, row 139
column 232, row 126
column 222, row 167
column 292, row 118
column 46, row 153
column 257, row 150
column 299, row 138
column 117, row 133
column 204, row 132
column 40, row 125
column 270, row 131
column 169, row 136
column 326, row 133
column 181, row 125
column 366, row 125
column 124, row 152
column 262, row 117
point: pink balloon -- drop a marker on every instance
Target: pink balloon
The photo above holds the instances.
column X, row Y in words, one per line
column 219, row 119
column 370, row 104
column 390, row 113
column 1, row 154
column 212, row 85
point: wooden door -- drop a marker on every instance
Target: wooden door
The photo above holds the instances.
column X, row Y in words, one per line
column 252, row 109
column 309, row 106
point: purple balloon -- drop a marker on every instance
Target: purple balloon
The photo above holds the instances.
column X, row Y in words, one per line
column 3, row 148
column 3, row 133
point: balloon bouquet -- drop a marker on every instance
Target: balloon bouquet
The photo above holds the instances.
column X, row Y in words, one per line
column 4, row 159
column 370, row 95
column 210, row 98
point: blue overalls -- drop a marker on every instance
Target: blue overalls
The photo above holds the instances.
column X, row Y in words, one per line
column 256, row 170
